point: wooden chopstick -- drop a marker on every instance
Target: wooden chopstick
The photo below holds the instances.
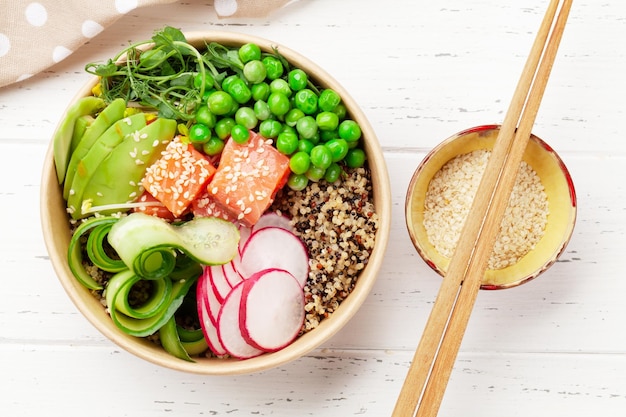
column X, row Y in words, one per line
column 436, row 353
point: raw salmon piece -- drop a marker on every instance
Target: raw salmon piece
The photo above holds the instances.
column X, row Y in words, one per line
column 248, row 177
column 178, row 176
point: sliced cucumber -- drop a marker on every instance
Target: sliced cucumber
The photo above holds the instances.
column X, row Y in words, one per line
column 147, row 244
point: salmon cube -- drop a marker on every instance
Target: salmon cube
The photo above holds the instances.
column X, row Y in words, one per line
column 248, row 177
column 179, row 176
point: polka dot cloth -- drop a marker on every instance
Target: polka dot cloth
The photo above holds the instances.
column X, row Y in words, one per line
column 60, row 27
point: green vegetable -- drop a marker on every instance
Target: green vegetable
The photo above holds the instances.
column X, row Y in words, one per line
column 299, row 162
column 338, row 148
column 213, row 147
column 199, row 133
column 298, row 79
column 80, row 127
column 181, row 342
column 249, row 52
column 63, row 138
column 333, row 172
column 306, row 100
column 297, row 182
column 321, row 156
column 75, row 253
column 254, row 71
column 328, row 100
column 164, row 298
column 204, row 116
column 86, row 167
column 349, row 130
column 245, row 116
column 147, row 244
column 355, row 158
column 240, row 134
column 105, row 119
column 287, row 142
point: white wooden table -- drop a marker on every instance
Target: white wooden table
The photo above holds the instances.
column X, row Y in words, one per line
column 422, row 71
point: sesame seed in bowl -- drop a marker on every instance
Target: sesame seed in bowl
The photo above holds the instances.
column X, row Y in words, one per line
column 537, row 223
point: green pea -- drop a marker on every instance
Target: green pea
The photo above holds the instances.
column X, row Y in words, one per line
column 326, row 135
column 199, row 133
column 299, row 162
column 338, row 149
column 349, row 130
column 306, row 100
column 333, row 172
column 270, row 128
column 203, row 81
column 315, row 173
column 207, row 93
column 328, row 100
column 254, row 71
column 297, row 182
column 228, row 81
column 249, row 52
column 204, row 116
column 273, row 66
column 306, row 127
column 327, row 120
column 280, row 86
column 278, row 103
column 260, row 91
column 223, row 127
column 240, row 91
column 321, row 156
column 246, row 117
column 287, row 142
column 305, row 145
column 297, row 79
column 240, row 134
column 290, row 129
column 355, row 158
column 220, row 103
column 341, row 111
column 262, row 110
column 293, row 116
column 213, row 147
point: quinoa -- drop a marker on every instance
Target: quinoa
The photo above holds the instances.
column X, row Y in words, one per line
column 449, row 198
column 337, row 223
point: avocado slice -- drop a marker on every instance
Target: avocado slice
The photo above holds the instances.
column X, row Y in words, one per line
column 102, row 147
column 63, row 136
column 117, row 179
column 105, row 119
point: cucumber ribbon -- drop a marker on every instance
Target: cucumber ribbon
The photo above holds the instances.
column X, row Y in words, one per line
column 153, row 265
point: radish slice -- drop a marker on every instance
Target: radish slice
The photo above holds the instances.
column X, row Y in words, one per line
column 228, row 329
column 231, row 271
column 244, row 234
column 272, row 220
column 208, row 326
column 272, row 309
column 275, row 248
column 218, row 280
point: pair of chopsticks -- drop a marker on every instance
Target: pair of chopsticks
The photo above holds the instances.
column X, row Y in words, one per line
column 430, row 370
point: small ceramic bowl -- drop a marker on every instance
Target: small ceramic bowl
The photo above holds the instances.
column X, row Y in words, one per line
column 56, row 232
column 558, row 187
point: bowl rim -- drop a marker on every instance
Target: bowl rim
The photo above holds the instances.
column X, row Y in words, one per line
column 463, row 134
column 327, row 328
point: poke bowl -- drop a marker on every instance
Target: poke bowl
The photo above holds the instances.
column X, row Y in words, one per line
column 202, row 237
column 537, row 224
